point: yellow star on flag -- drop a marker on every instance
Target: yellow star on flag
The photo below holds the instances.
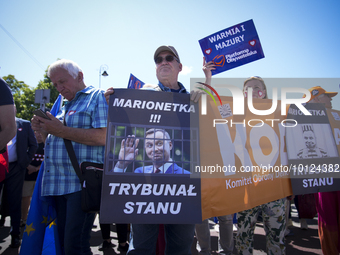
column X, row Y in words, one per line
column 52, row 223
column 45, row 220
column 29, row 228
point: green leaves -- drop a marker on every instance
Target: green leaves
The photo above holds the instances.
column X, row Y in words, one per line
column 24, row 95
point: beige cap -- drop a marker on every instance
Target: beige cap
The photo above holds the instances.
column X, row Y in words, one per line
column 166, row 48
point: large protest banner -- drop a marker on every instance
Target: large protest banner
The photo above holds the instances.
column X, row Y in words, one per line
column 243, row 158
column 312, row 151
column 242, row 163
column 232, row 47
column 133, row 190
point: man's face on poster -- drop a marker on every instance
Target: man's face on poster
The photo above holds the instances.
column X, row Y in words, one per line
column 156, row 148
column 309, row 138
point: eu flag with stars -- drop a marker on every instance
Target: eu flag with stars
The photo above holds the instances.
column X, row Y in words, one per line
column 40, row 236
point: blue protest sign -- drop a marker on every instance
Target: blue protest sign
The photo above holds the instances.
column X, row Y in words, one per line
column 134, row 82
column 232, row 47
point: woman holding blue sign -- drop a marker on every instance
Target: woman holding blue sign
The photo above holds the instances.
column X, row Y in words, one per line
column 273, row 213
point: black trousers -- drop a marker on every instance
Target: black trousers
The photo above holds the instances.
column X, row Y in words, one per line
column 122, row 232
column 12, row 196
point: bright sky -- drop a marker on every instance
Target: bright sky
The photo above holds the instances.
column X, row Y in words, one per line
column 299, row 38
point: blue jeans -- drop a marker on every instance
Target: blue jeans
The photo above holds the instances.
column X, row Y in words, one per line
column 178, row 238
column 74, row 225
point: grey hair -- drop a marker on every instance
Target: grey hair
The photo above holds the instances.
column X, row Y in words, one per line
column 71, row 67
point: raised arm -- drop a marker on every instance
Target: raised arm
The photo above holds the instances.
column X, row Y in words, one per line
column 207, row 68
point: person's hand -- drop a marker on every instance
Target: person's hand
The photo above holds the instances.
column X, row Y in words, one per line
column 35, row 124
column 32, row 169
column 128, row 151
column 40, row 138
column 195, row 95
column 108, row 93
column 52, row 126
column 207, row 68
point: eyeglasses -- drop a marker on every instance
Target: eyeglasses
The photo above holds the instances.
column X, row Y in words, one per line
column 168, row 58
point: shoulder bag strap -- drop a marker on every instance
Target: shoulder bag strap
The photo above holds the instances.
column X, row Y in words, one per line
column 72, row 155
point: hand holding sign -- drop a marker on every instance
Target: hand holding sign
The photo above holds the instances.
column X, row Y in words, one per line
column 207, row 69
column 108, row 93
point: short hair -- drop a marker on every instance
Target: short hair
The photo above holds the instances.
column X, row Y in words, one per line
column 306, row 128
column 71, row 67
column 257, row 78
column 154, row 130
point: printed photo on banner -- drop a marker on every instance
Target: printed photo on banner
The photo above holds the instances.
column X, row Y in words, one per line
column 232, row 47
column 151, row 150
column 311, row 141
column 312, row 150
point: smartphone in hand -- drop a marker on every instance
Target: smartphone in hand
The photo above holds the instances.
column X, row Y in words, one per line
column 41, row 113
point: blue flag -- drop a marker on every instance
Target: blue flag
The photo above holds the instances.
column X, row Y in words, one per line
column 40, row 236
column 134, row 82
column 232, row 47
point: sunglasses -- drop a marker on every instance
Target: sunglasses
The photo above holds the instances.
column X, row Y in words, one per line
column 168, row 58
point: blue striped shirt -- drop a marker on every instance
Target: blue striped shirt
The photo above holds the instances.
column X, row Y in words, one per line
column 87, row 110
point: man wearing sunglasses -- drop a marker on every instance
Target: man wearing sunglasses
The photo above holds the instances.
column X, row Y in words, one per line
column 168, row 66
column 179, row 237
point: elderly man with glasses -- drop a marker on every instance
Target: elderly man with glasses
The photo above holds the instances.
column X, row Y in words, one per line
column 168, row 66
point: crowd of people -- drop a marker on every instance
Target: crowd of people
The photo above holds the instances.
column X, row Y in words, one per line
column 82, row 119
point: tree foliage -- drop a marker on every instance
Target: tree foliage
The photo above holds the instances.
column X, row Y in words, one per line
column 24, row 96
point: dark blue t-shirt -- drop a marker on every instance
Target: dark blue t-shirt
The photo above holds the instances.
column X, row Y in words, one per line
column 6, row 97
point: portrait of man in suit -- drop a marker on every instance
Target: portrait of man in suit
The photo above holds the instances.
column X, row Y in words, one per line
column 157, row 146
